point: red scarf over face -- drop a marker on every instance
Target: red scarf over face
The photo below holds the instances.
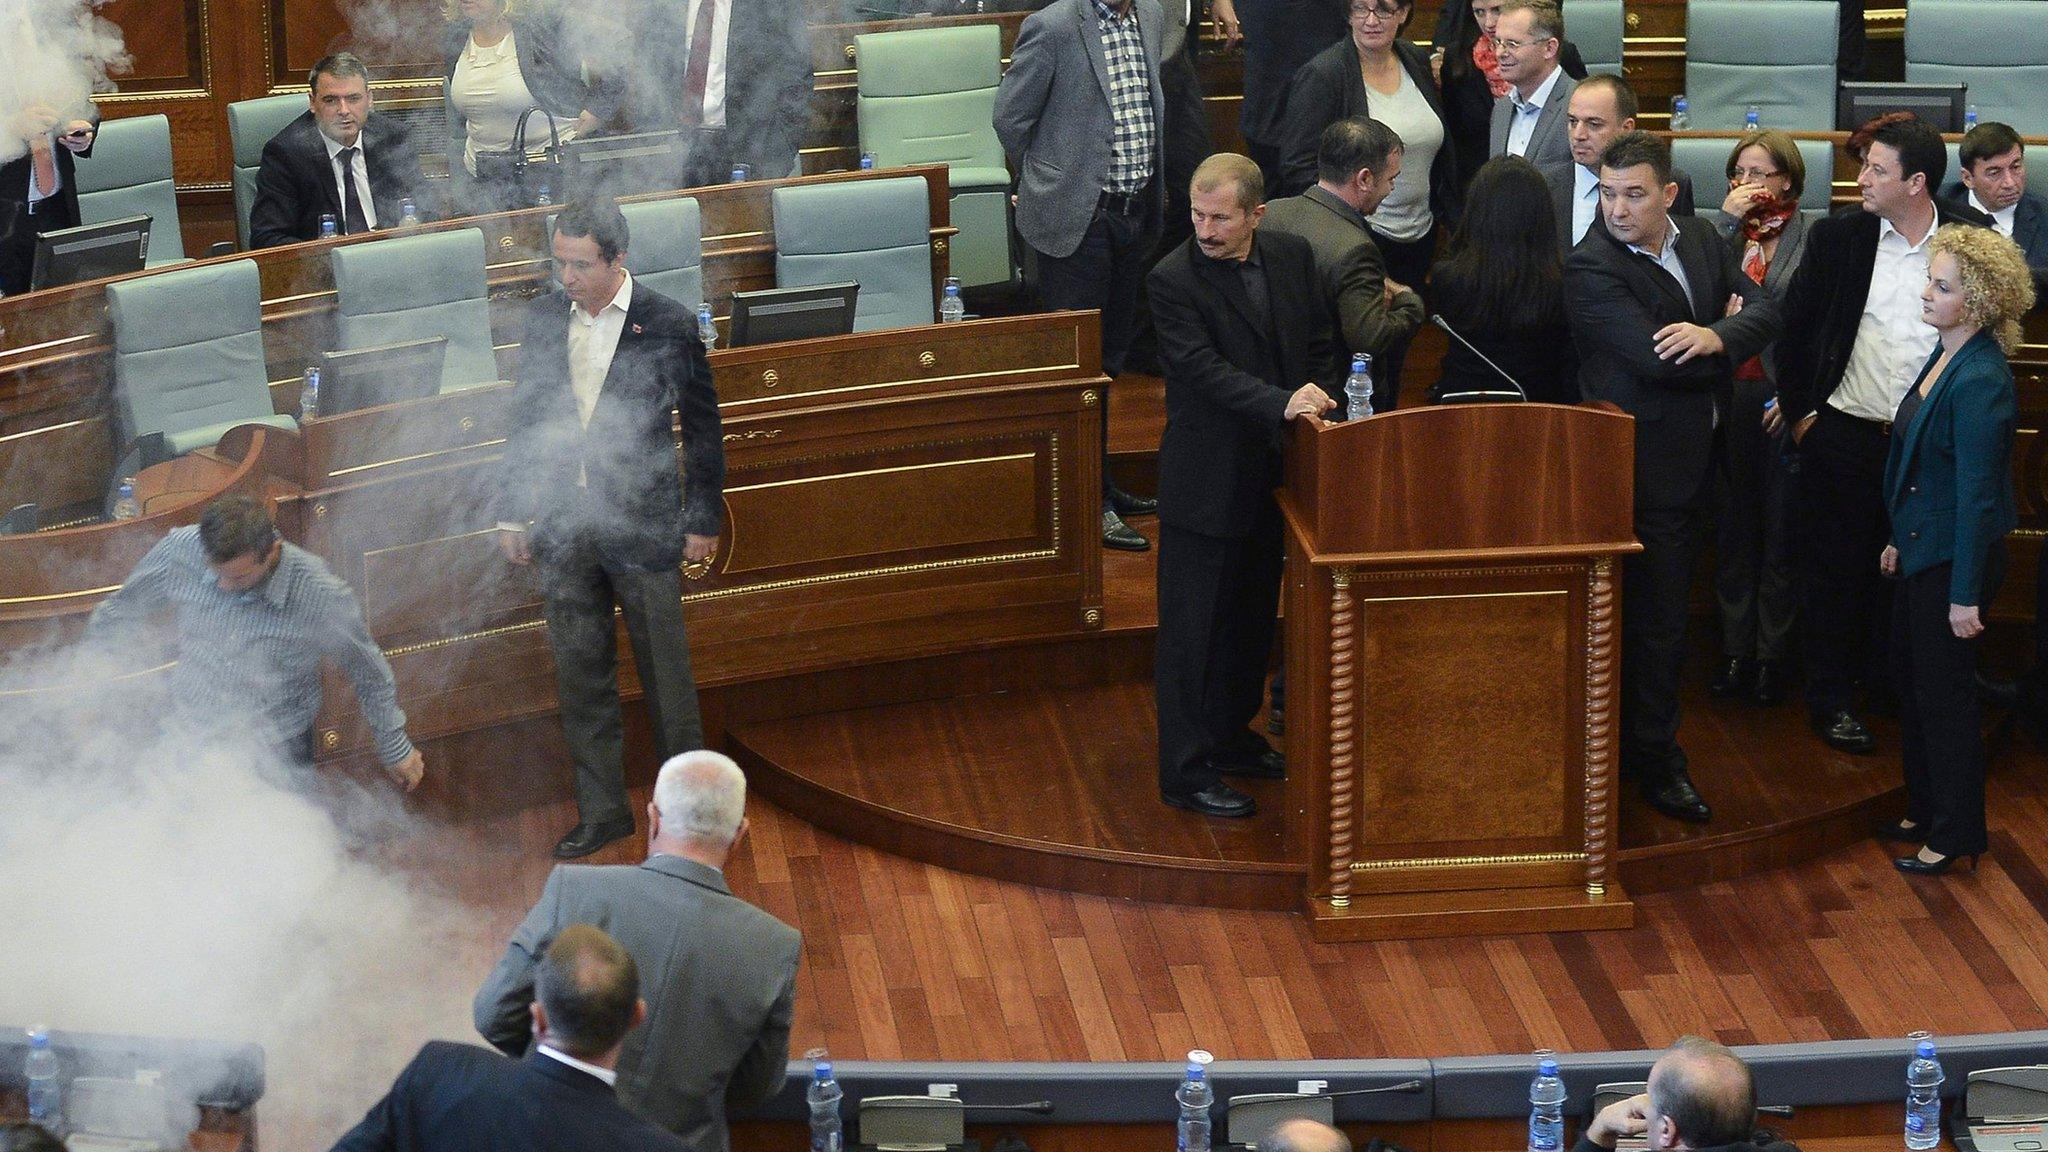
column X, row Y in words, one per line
column 1489, row 66
column 1764, row 221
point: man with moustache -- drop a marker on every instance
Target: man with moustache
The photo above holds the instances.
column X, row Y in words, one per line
column 338, row 159
column 1661, row 313
column 39, row 189
column 1601, row 108
column 1994, row 181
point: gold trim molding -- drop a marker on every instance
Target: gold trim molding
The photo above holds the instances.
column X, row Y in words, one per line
column 1468, row 861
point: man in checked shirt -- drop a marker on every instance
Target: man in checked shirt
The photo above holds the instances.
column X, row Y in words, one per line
column 254, row 616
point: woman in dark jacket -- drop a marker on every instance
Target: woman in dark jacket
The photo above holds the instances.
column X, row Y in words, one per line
column 1470, row 80
column 1501, row 285
column 1948, row 487
column 498, row 63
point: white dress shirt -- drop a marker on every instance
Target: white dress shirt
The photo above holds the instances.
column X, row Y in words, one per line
column 592, row 342
column 608, row 1075
column 361, row 168
column 1668, row 260
column 2001, row 221
column 1892, row 341
column 714, row 80
column 1522, row 120
column 38, row 194
column 1585, row 200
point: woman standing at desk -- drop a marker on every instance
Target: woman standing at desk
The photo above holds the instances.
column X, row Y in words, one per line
column 1948, row 486
column 501, row 63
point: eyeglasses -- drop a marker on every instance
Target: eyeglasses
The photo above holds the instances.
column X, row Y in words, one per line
column 1753, row 175
column 1369, row 14
column 1500, row 45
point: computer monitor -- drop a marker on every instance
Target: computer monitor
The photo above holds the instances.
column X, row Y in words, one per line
column 386, row 374
column 621, row 165
column 68, row 255
column 1862, row 101
column 772, row 315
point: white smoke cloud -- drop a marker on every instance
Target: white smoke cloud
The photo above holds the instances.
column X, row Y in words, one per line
column 54, row 54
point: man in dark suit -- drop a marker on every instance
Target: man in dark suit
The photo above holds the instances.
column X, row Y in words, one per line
column 1357, row 160
column 720, row 973
column 38, row 189
column 1853, row 308
column 1082, row 111
column 339, row 159
column 591, row 493
column 1994, row 182
column 560, row 1098
column 735, row 75
column 1661, row 313
column 1244, row 336
column 1601, row 108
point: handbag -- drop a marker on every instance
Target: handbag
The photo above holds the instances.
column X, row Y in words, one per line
column 538, row 181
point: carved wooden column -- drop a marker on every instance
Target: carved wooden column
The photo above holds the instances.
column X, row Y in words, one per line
column 1600, row 733
column 1345, row 706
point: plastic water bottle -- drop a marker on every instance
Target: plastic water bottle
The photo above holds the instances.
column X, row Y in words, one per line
column 1546, row 1108
column 408, row 213
column 1923, row 1098
column 707, row 328
column 126, row 506
column 1752, row 119
column 867, row 161
column 952, row 309
column 741, row 173
column 824, row 1094
column 45, row 1093
column 1969, row 117
column 1681, row 113
column 544, row 197
column 309, row 394
column 1358, row 388
column 327, row 227
column 1195, row 1097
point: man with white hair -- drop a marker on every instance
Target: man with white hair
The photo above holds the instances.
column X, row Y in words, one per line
column 718, row 974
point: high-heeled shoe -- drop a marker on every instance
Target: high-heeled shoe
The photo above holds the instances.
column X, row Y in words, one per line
column 1915, row 866
column 1903, row 833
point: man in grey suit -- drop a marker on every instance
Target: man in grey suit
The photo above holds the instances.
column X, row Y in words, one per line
column 1082, row 111
column 1530, row 120
column 718, row 974
column 1357, row 160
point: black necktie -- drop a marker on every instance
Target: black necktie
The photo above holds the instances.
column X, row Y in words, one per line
column 352, row 217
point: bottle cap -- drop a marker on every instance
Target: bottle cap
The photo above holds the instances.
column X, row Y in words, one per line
column 1926, row 1050
column 1198, row 1063
column 822, row 1070
column 1358, row 363
column 1548, row 1067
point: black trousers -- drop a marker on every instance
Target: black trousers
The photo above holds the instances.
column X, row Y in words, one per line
column 1106, row 272
column 1655, row 584
column 1843, row 523
column 1218, row 598
column 1939, row 715
column 1756, row 584
column 580, row 588
column 1407, row 262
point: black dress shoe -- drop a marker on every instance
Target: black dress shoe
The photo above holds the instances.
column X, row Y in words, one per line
column 1998, row 693
column 584, row 839
column 1917, row 866
column 1732, row 677
column 1844, row 733
column 1903, row 833
column 1118, row 535
column 1265, row 763
column 1769, row 691
column 1215, row 800
column 1674, row 796
column 1126, row 504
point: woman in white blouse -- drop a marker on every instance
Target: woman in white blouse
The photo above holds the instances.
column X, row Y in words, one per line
column 500, row 62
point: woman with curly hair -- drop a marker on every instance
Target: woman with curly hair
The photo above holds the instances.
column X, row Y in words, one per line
column 1947, row 484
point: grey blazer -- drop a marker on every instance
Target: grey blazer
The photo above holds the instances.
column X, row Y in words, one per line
column 1052, row 115
column 1550, row 149
column 718, row 975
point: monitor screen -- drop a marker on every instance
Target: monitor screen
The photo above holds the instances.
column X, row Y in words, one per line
column 1862, row 101
column 68, row 255
column 386, row 374
column 772, row 315
column 621, row 165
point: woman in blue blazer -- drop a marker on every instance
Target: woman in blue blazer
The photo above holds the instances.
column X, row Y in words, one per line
column 1948, row 486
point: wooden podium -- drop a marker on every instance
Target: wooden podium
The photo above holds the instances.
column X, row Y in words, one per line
column 1452, row 660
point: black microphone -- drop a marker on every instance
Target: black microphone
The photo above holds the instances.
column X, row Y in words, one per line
column 1482, row 394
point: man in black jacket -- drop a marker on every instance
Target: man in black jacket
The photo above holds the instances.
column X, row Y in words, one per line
column 337, row 159
column 1854, row 306
column 590, row 492
column 560, row 1098
column 1702, row 1098
column 1244, row 337
column 1661, row 314
column 38, row 189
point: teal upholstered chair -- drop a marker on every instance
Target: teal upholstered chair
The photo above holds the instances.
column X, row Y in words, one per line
column 666, row 249
column 188, row 354
column 1776, row 54
column 399, row 288
column 1705, row 159
column 129, row 174
column 927, row 96
column 251, row 124
column 1596, row 27
column 1997, row 47
column 875, row 232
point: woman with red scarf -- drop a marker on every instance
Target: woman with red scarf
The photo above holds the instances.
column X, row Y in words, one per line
column 1753, row 567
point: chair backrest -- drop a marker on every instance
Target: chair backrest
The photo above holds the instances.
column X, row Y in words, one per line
column 1596, row 27
column 188, row 352
column 1997, row 47
column 1705, row 159
column 927, row 96
column 1776, row 54
column 251, row 124
column 129, row 174
column 414, row 288
column 875, row 232
column 666, row 247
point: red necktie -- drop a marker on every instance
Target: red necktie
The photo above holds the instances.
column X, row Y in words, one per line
column 699, row 70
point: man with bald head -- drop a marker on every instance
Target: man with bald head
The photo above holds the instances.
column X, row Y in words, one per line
column 1305, row 1136
column 1601, row 109
column 1701, row 1097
